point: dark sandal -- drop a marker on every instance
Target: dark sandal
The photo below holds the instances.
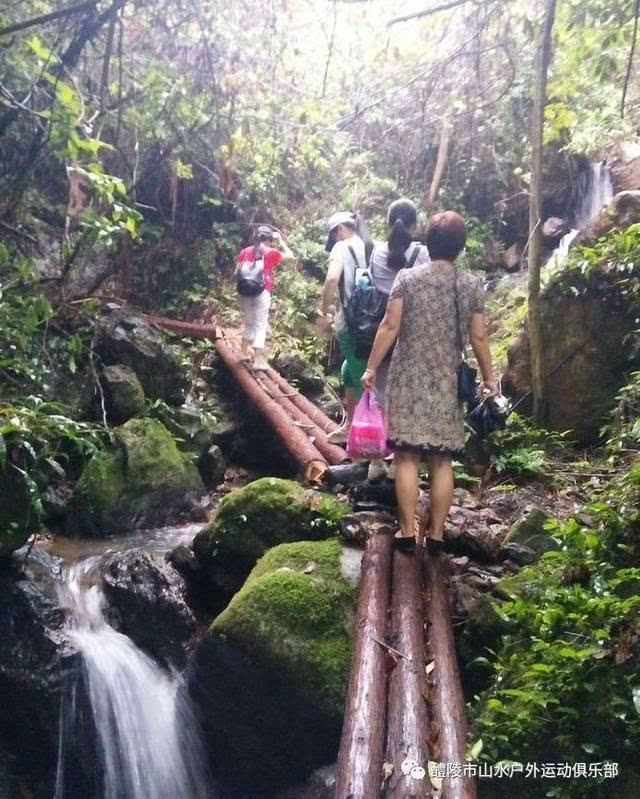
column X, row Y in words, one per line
column 405, row 542
column 434, row 546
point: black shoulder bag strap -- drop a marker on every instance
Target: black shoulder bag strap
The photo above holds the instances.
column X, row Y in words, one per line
column 414, row 257
column 466, row 373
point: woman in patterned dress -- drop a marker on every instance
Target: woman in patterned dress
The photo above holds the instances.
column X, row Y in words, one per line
column 423, row 414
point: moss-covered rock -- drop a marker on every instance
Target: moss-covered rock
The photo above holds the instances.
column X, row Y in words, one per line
column 271, row 674
column 260, row 515
column 530, row 531
column 129, row 339
column 144, row 481
column 125, row 395
column 19, row 509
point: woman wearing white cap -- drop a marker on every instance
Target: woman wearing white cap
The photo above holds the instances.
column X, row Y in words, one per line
column 347, row 253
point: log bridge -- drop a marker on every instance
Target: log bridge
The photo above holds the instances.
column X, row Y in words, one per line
column 405, row 728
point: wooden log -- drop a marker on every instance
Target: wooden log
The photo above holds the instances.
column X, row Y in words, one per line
column 332, row 453
column 449, row 717
column 311, row 461
column 305, row 404
column 407, row 717
column 362, row 743
column 187, row 329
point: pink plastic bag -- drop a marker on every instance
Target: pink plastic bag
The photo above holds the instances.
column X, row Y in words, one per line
column 367, row 437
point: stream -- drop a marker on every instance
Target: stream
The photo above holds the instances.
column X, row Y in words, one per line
column 146, row 728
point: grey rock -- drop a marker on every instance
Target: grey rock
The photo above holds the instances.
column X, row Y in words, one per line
column 123, row 393
column 149, row 596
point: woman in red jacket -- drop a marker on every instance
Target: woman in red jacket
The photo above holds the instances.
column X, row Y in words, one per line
column 254, row 275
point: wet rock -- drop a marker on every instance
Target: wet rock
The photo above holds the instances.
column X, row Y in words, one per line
column 622, row 211
column 531, row 534
column 294, row 368
column 212, row 466
column 124, row 394
column 470, row 532
column 39, row 668
column 583, row 323
column 625, row 168
column 128, row 339
column 251, row 519
column 149, row 596
column 346, row 473
column 513, row 257
column 146, row 481
column 555, row 228
column 283, row 644
column 518, row 553
column 184, row 560
column 320, row 785
column 331, row 406
column 19, row 508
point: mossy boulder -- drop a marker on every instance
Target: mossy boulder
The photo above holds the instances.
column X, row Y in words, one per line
column 130, row 340
column 257, row 516
column 271, row 674
column 19, row 509
column 144, row 481
column 124, row 393
column 530, row 532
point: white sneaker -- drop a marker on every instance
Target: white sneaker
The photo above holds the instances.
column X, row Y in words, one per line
column 391, row 471
column 377, row 471
column 340, row 435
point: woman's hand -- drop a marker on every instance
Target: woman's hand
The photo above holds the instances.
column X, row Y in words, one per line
column 368, row 378
column 489, row 389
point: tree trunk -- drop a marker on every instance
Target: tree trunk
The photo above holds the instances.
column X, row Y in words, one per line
column 362, row 742
column 441, row 160
column 535, row 209
column 407, row 710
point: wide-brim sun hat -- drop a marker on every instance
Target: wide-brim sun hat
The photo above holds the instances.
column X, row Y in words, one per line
column 339, row 218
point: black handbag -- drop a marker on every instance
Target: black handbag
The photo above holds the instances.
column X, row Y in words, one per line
column 466, row 374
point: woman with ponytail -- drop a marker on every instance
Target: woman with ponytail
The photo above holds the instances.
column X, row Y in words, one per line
column 398, row 252
column 433, row 310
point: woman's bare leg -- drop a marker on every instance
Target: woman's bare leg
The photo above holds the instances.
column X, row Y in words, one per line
column 441, row 474
column 407, row 470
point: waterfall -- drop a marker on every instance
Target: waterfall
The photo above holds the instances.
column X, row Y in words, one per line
column 146, row 728
column 594, row 192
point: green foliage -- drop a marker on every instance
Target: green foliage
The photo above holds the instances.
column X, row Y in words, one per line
column 521, row 451
column 562, row 684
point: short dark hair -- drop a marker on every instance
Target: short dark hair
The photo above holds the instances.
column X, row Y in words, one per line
column 446, row 235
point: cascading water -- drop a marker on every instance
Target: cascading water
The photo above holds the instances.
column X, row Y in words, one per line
column 594, row 192
column 146, row 729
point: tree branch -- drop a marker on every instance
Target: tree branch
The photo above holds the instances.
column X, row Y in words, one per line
column 630, row 61
column 427, row 12
column 63, row 12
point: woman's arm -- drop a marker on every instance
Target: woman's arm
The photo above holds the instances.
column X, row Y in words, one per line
column 334, row 273
column 480, row 344
column 386, row 335
column 287, row 254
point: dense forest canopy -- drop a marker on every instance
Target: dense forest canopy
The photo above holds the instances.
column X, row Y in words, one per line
column 145, row 119
column 141, row 144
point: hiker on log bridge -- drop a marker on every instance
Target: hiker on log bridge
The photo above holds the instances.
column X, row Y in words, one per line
column 433, row 308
